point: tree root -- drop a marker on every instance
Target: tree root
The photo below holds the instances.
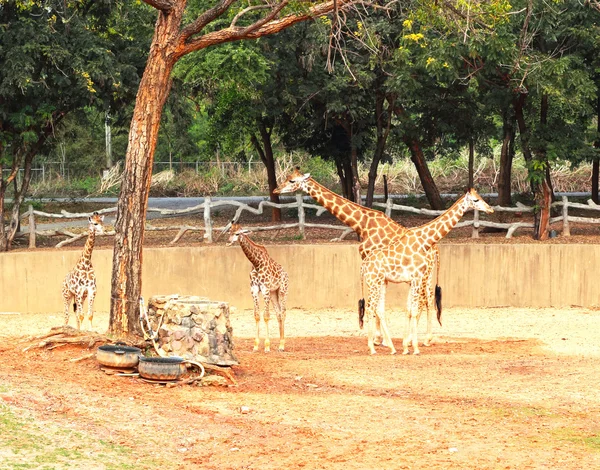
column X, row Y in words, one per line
column 63, row 335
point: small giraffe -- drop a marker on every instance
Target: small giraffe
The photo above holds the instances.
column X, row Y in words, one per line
column 376, row 230
column 81, row 281
column 268, row 278
column 406, row 260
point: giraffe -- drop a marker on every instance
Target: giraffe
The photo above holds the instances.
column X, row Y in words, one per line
column 376, row 230
column 268, row 278
column 81, row 281
column 406, row 260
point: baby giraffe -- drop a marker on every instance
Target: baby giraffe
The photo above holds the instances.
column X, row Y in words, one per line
column 81, row 281
column 268, row 278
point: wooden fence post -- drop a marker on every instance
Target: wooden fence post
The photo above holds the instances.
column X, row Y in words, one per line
column 475, row 232
column 31, row 227
column 301, row 215
column 566, row 230
column 388, row 207
column 208, row 232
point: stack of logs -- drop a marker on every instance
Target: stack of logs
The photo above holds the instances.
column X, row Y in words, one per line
column 192, row 327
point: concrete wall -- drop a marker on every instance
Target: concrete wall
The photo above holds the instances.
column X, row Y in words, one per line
column 531, row 275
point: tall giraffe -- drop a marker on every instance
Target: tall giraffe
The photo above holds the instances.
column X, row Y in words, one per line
column 268, row 278
column 406, row 260
column 376, row 230
column 81, row 281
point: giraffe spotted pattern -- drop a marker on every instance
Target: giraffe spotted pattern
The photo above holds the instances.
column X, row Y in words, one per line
column 407, row 260
column 80, row 283
column 376, row 231
column 268, row 279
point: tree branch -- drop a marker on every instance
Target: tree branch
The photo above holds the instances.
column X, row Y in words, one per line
column 263, row 27
column 162, row 5
column 205, row 18
column 246, row 10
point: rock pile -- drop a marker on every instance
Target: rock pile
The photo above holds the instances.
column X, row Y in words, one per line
column 194, row 328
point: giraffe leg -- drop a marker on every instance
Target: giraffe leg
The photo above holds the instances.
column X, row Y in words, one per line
column 67, row 297
column 266, row 317
column 280, row 319
column 373, row 290
column 379, row 337
column 79, row 298
column 281, row 297
column 429, row 295
column 385, row 331
column 411, row 306
column 254, row 290
column 415, row 313
column 91, row 296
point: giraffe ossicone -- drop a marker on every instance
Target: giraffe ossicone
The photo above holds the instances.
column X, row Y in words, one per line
column 406, row 260
column 267, row 278
column 80, row 283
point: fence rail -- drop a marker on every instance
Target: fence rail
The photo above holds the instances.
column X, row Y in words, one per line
column 389, row 206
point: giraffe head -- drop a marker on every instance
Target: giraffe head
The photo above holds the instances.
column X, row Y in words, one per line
column 234, row 233
column 96, row 223
column 474, row 201
column 294, row 182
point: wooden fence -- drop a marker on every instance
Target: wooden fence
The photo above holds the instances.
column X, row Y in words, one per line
column 388, row 207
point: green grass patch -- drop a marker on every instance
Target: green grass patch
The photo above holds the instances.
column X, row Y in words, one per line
column 590, row 441
column 27, row 443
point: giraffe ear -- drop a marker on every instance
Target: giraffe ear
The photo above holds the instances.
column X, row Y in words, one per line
column 306, row 176
column 102, row 218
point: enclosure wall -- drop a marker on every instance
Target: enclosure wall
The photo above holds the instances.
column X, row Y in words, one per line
column 532, row 275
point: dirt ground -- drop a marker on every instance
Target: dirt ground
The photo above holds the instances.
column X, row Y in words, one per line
column 499, row 389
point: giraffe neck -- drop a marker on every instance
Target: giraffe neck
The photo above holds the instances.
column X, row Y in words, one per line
column 432, row 232
column 86, row 256
column 253, row 251
column 346, row 211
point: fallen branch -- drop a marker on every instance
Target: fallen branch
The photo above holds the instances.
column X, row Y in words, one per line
column 82, row 358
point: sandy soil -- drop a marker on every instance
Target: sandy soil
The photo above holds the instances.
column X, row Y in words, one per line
column 501, row 388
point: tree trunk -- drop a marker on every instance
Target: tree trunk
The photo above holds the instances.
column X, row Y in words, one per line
column 265, row 151
column 418, row 158
column 384, row 123
column 595, row 176
column 538, row 180
column 355, row 181
column 154, row 88
column 471, row 162
column 507, row 154
column 542, row 219
column 596, row 161
column 19, row 195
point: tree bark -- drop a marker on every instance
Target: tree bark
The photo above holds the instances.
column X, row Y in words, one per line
column 154, row 88
column 429, row 186
column 540, row 188
column 471, row 162
column 265, row 151
column 383, row 122
column 596, row 161
column 507, row 154
column 418, row 158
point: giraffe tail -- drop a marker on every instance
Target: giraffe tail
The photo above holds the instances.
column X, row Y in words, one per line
column 438, row 303
column 361, row 312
